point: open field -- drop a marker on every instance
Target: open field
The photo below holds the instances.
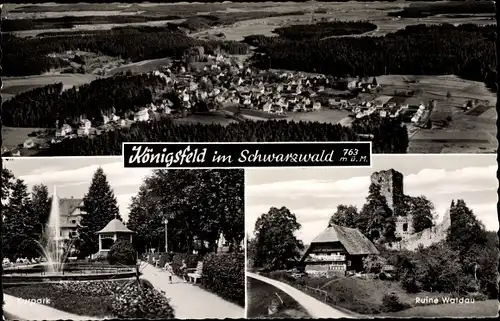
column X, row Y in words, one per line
column 260, row 296
column 12, row 137
column 140, row 67
column 488, row 308
column 376, row 12
column 17, row 85
column 332, row 116
column 206, row 118
column 472, row 132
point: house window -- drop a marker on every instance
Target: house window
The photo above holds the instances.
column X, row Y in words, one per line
column 73, row 221
column 405, row 227
column 348, row 263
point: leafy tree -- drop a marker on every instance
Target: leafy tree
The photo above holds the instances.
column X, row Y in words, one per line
column 276, row 243
column 485, row 264
column 200, row 206
column 7, row 183
column 376, row 220
column 422, row 211
column 146, row 221
column 465, row 229
column 101, row 207
column 19, row 224
column 439, row 269
column 346, row 215
column 41, row 205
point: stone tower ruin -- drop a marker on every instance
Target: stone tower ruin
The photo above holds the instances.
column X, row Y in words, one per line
column 391, row 185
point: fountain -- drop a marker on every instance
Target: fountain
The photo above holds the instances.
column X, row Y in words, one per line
column 55, row 252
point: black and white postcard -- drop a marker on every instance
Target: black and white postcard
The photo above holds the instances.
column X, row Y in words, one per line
column 413, row 236
column 85, row 239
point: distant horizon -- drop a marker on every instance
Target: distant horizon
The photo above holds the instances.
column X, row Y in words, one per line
column 313, row 194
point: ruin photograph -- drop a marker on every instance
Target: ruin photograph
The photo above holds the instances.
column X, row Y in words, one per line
column 411, row 236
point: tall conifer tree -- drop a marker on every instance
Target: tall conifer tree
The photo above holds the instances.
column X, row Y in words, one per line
column 101, row 207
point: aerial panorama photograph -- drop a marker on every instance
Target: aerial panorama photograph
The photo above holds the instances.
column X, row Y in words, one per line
column 411, row 76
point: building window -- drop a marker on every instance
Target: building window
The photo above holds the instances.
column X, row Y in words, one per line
column 348, row 263
column 405, row 227
column 73, row 221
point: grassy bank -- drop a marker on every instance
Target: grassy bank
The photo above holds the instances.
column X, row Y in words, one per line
column 368, row 297
column 260, row 296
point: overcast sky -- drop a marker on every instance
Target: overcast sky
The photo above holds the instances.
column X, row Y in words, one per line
column 313, row 194
column 72, row 176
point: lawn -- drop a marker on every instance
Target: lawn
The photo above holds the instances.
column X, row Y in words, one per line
column 13, row 136
column 260, row 295
column 364, row 296
column 80, row 304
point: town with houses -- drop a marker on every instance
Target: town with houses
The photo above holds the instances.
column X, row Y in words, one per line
column 228, row 85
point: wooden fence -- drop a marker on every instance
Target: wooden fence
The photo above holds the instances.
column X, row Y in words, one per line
column 319, row 293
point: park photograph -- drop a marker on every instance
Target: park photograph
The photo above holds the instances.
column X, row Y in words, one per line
column 86, row 239
column 409, row 237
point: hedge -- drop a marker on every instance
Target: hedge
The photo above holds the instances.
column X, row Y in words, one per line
column 224, row 275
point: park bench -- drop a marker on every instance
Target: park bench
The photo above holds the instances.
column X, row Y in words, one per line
column 196, row 273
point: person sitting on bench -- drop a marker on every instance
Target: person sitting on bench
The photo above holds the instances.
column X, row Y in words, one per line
column 184, row 270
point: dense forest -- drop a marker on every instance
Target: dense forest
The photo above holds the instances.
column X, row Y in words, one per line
column 466, row 50
column 324, row 29
column 41, row 107
column 193, row 22
column 28, row 56
column 68, row 22
column 201, row 22
column 390, row 136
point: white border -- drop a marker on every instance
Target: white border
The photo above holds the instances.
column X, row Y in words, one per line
column 250, row 143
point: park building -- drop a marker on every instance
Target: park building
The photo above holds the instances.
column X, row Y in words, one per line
column 70, row 212
column 337, row 251
column 113, row 232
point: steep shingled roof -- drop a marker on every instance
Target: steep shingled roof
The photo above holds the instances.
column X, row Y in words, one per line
column 68, row 205
column 352, row 239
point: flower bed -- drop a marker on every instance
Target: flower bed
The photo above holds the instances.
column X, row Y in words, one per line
column 103, row 299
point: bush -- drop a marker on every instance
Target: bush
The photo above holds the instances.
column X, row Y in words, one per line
column 142, row 303
column 224, row 275
column 373, row 264
column 121, row 253
column 391, row 303
column 191, row 261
